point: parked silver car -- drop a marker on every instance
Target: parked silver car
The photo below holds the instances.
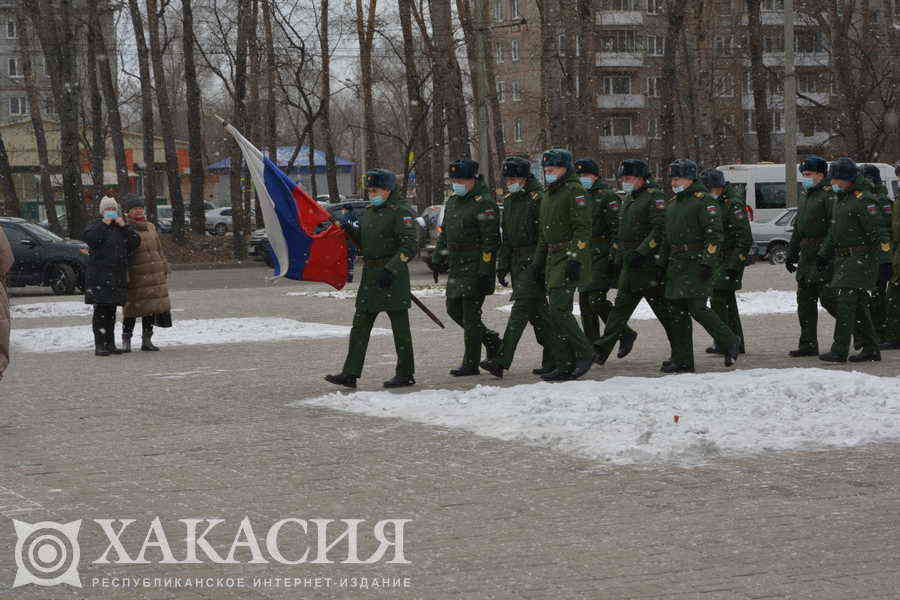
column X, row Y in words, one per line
column 219, row 221
column 771, row 238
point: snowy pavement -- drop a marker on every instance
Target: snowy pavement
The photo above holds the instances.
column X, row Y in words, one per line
column 682, row 420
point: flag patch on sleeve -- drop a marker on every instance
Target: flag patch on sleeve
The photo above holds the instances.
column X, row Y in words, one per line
column 872, row 209
column 580, row 200
column 660, row 203
column 712, row 209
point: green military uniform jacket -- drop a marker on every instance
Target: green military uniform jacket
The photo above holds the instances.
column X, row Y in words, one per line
column 565, row 231
column 605, row 209
column 814, row 214
column 521, row 230
column 387, row 240
column 642, row 225
column 895, row 229
column 736, row 243
column 468, row 242
column 856, row 239
column 885, row 213
column 693, row 239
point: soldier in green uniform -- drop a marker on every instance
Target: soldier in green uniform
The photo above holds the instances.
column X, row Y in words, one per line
column 635, row 246
column 878, row 304
column 521, row 228
column 736, row 244
column 811, row 224
column 387, row 240
column 563, row 259
column 892, row 321
column 592, row 297
column 692, row 253
column 468, row 243
column 857, row 244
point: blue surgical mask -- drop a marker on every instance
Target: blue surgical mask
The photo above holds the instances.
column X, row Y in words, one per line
column 806, row 182
column 716, row 196
column 837, row 187
column 459, row 189
column 514, row 187
column 627, row 187
column 111, row 214
column 678, row 188
column 378, row 200
column 550, row 178
column 586, row 182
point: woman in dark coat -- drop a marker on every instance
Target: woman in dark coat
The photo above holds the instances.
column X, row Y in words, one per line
column 111, row 242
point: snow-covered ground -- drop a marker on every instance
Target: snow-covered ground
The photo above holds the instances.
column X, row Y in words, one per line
column 188, row 332
column 633, row 419
column 749, row 303
column 38, row 310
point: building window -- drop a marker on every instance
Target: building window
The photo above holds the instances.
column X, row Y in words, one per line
column 773, row 5
column 615, row 85
column 773, row 42
column 656, row 45
column 724, row 85
column 653, row 85
column 18, row 105
column 812, row 82
column 49, row 108
column 514, row 89
column 777, row 121
column 577, row 44
column 498, row 52
column 561, row 44
column 655, row 7
column 724, row 45
column 811, row 41
column 653, row 129
column 12, row 67
column 615, row 126
column 12, row 31
column 620, row 5
column 519, row 129
column 500, row 86
column 748, row 121
column 619, row 41
column 498, row 11
column 806, row 121
column 514, row 50
column 724, row 7
column 514, row 9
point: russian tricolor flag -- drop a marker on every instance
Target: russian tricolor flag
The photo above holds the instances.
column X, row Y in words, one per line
column 291, row 217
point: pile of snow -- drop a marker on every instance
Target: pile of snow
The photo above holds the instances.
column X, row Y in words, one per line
column 189, row 332
column 633, row 419
column 44, row 310
column 769, row 302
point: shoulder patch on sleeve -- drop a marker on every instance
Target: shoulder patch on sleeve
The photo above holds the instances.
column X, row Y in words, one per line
column 409, row 220
column 535, row 196
column 885, row 247
column 712, row 209
column 887, row 208
column 712, row 249
column 477, row 198
column 858, row 194
column 614, row 205
column 580, row 200
column 699, row 194
column 660, row 202
column 827, row 188
column 872, row 209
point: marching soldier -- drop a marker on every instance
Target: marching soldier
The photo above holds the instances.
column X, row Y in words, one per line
column 878, row 305
column 892, row 329
column 468, row 243
column 857, row 244
column 563, row 260
column 691, row 254
column 592, row 297
column 521, row 228
column 387, row 241
column 811, row 224
column 642, row 222
column 736, row 245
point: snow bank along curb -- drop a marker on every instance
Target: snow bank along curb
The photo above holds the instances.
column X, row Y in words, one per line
column 633, row 420
column 188, row 332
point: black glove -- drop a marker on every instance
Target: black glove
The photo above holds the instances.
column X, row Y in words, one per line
column 385, row 279
column 637, row 259
column 612, row 269
column 501, row 278
column 486, row 284
column 733, row 274
column 573, row 270
column 535, row 273
column 706, row 272
column 885, row 272
column 791, row 266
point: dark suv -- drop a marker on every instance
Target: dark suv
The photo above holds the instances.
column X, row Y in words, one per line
column 43, row 258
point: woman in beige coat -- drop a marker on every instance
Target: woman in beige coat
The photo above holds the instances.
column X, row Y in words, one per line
column 148, row 292
column 6, row 261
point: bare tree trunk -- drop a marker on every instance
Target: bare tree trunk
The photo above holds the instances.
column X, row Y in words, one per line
column 418, row 113
column 270, row 124
column 491, row 84
column 330, row 165
column 704, row 10
column 11, row 206
column 549, row 58
column 165, row 121
column 98, row 129
column 365, row 32
column 254, row 114
column 54, row 25
column 669, row 83
column 587, row 74
column 195, row 119
column 447, row 76
column 239, row 120
column 147, row 123
column 758, row 73
column 111, row 94
column 37, row 121
column 476, row 64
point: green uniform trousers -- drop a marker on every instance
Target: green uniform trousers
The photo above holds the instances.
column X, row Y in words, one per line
column 574, row 344
column 724, row 304
column 685, row 309
column 596, row 307
column 853, row 318
column 626, row 303
column 466, row 312
column 359, row 342
column 878, row 309
column 537, row 312
column 892, row 314
column 809, row 295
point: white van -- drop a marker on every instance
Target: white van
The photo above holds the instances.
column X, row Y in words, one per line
column 764, row 189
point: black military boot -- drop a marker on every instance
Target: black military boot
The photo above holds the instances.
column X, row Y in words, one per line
column 832, row 357
column 890, row 346
column 626, row 344
column 582, row 367
column 464, row 371
column 147, row 343
column 348, row 381
column 732, row 353
column 674, row 368
column 111, row 343
column 100, row 348
column 398, row 381
column 543, row 370
column 492, row 367
column 713, row 350
column 866, row 356
column 558, row 375
column 803, row 352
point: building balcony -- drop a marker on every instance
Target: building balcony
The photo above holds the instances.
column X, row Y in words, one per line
column 816, row 139
column 619, row 59
column 776, row 17
column 801, row 59
column 613, row 101
column 777, row 101
column 622, row 142
column 620, row 17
